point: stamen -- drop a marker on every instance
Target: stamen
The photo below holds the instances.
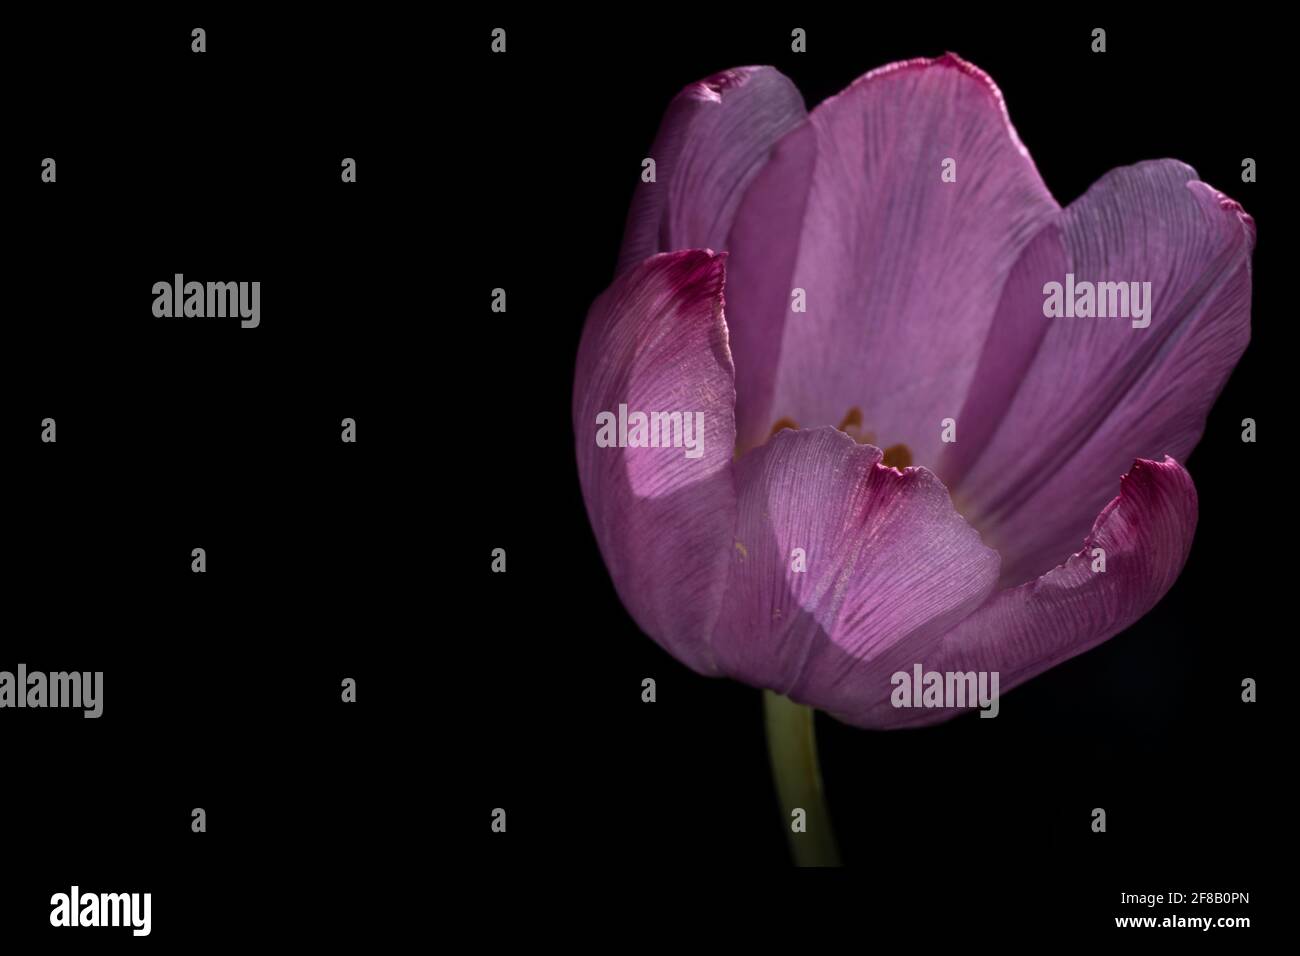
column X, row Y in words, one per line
column 897, row 456
column 852, row 426
column 783, row 423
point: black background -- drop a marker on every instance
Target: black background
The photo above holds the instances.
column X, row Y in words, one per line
column 221, row 690
column 372, row 560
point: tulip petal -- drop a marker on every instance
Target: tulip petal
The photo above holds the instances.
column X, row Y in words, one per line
column 656, row 341
column 1035, row 461
column 1145, row 533
column 715, row 136
column 764, row 247
column 901, row 269
column 889, row 565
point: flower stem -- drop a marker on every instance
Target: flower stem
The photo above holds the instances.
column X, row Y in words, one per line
column 792, row 746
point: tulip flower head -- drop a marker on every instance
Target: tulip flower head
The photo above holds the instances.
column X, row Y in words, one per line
column 864, row 400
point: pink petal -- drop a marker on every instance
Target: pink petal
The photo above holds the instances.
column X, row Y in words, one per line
column 1145, row 532
column 713, row 139
column 764, row 247
column 1034, row 461
column 902, row 270
column 890, row 566
column 656, row 341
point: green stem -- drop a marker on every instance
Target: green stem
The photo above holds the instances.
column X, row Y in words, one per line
column 792, row 746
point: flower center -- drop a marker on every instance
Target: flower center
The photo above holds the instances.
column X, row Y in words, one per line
column 895, row 456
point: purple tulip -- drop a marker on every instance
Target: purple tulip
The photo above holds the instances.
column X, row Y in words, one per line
column 828, row 431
